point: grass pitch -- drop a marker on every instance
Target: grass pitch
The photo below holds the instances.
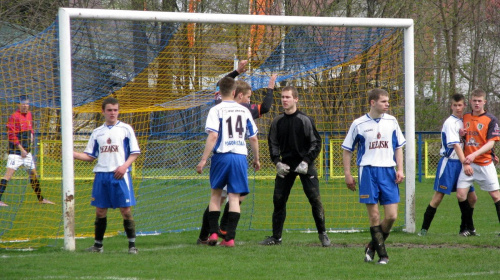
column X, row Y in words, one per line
column 442, row 254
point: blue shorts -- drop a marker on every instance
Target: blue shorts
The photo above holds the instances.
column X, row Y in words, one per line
column 447, row 174
column 109, row 192
column 378, row 184
column 229, row 169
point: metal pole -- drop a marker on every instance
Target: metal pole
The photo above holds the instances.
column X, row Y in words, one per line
column 67, row 130
column 409, row 128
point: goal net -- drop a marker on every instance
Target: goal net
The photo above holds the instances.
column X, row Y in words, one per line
column 164, row 73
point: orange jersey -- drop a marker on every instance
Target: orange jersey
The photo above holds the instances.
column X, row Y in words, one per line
column 480, row 130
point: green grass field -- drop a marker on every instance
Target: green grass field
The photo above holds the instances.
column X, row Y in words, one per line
column 440, row 255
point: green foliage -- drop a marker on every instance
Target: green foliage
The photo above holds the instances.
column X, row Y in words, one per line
column 442, row 254
column 429, row 115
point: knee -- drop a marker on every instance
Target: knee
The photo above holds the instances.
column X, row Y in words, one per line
column 100, row 213
column 472, row 198
column 391, row 217
column 495, row 195
column 461, row 196
column 126, row 213
column 374, row 218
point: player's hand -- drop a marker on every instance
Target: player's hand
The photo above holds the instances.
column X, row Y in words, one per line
column 468, row 170
column 242, row 66
column 199, row 167
column 120, row 172
column 23, row 153
column 470, row 158
column 256, row 165
column 302, row 168
column 350, row 182
column 462, row 132
column 400, row 176
column 495, row 160
column 272, row 81
column 282, row 169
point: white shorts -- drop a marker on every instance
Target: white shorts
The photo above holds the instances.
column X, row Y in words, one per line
column 484, row 176
column 15, row 161
column 224, row 191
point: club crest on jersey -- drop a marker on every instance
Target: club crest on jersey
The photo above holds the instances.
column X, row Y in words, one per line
column 467, row 125
column 472, row 142
column 480, row 126
column 109, row 148
column 379, row 144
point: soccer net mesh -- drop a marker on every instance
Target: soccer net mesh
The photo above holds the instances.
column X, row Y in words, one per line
column 165, row 75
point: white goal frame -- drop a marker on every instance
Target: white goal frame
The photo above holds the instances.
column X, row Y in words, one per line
column 66, row 14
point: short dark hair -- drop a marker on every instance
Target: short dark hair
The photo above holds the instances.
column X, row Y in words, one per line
column 23, row 98
column 457, row 97
column 226, row 86
column 109, row 100
column 242, row 86
column 375, row 93
column 295, row 92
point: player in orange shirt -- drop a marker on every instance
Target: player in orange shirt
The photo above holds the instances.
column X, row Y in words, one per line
column 481, row 132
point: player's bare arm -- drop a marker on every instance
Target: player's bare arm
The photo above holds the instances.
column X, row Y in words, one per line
column 122, row 170
column 399, row 165
column 82, row 156
column 209, row 145
column 485, row 148
column 460, row 153
column 349, row 180
column 254, row 144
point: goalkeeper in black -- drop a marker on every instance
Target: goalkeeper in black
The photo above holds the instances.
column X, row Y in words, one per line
column 294, row 144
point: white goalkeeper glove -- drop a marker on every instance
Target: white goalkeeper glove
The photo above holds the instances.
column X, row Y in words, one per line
column 282, row 169
column 302, row 168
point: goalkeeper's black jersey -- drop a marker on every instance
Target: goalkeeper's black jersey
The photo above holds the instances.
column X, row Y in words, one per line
column 294, row 138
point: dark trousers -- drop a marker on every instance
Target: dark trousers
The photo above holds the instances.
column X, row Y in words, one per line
column 282, row 188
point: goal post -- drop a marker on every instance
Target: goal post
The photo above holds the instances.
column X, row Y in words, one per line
column 66, row 15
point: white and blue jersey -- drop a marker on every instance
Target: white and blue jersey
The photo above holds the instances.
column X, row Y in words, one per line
column 449, row 166
column 377, row 139
column 112, row 145
column 450, row 136
column 232, row 122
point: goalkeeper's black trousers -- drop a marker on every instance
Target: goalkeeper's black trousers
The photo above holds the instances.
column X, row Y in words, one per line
column 282, row 188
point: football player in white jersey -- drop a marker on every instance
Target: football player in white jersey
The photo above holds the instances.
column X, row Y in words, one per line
column 115, row 146
column 379, row 143
column 227, row 125
column 449, row 167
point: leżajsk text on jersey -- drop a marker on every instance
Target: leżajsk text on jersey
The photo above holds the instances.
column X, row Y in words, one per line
column 377, row 139
column 112, row 146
